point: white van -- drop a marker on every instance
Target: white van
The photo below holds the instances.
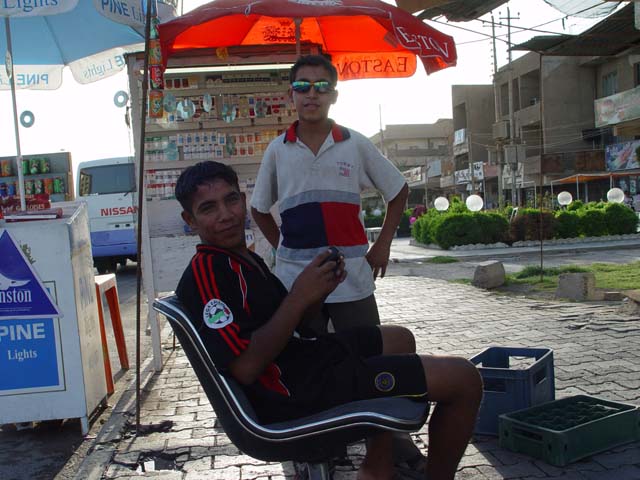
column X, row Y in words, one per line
column 108, row 186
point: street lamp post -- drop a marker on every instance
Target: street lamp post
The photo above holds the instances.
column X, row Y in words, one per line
column 426, row 183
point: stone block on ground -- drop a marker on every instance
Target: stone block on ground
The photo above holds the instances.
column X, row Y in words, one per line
column 489, row 274
column 613, row 296
column 576, row 286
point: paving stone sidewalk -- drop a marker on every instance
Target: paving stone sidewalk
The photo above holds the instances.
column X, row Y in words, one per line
column 596, row 352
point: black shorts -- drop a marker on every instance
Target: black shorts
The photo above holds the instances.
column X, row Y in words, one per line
column 366, row 373
column 340, row 368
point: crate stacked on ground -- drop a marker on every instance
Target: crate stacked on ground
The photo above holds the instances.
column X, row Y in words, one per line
column 569, row 429
column 514, row 378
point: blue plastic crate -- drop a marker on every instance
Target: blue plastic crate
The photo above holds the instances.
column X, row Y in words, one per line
column 514, row 379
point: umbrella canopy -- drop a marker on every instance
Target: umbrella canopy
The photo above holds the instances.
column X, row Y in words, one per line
column 365, row 38
column 82, row 37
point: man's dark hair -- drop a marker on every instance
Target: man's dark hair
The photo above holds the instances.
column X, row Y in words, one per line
column 314, row 61
column 200, row 174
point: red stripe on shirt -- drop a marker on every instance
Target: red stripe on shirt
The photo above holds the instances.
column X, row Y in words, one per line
column 342, row 224
column 270, row 379
column 204, row 275
column 213, row 276
column 198, row 277
column 235, row 266
column 234, row 348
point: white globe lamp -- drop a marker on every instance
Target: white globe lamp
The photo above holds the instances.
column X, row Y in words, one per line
column 615, row 195
column 474, row 203
column 441, row 204
column 564, row 198
column 377, row 212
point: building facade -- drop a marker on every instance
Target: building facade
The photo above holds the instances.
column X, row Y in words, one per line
column 470, row 171
column 541, row 123
column 419, row 151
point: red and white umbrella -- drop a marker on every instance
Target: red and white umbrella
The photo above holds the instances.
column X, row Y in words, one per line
column 365, row 38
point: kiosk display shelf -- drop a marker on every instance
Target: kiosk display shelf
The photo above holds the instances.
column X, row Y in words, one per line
column 208, row 113
column 49, row 173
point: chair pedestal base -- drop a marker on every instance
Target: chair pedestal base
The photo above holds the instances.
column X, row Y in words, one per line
column 312, row 471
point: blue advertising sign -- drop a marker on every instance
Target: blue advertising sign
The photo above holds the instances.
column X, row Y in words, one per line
column 22, row 294
column 29, row 356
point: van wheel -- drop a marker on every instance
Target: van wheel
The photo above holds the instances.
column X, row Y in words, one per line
column 105, row 265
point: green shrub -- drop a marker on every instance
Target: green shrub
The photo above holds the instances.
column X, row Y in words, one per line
column 600, row 205
column 418, row 226
column 404, row 228
column 526, row 225
column 456, row 205
column 593, row 222
column 567, row 224
column 457, row 229
column 493, row 227
column 576, row 205
column 620, row 219
column 371, row 221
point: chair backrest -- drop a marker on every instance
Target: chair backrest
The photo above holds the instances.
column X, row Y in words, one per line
column 294, row 440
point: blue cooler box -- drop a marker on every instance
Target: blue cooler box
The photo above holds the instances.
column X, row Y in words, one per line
column 514, row 379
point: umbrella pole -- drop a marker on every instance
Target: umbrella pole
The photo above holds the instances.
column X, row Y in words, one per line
column 297, row 22
column 23, row 203
column 143, row 123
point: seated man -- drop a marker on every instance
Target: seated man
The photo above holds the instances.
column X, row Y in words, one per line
column 247, row 321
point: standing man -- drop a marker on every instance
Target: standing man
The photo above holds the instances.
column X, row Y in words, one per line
column 316, row 171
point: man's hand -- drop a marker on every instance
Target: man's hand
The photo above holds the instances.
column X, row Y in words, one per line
column 318, row 280
column 312, row 286
column 378, row 258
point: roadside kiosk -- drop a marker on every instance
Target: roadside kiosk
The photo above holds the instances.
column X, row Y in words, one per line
column 50, row 349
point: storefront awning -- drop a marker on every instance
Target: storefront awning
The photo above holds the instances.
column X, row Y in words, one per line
column 589, row 177
column 611, row 36
column 454, row 10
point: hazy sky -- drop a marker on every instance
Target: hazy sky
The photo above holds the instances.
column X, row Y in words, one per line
column 83, row 119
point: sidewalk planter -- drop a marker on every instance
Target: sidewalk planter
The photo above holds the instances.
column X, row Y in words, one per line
column 570, row 429
column 509, row 385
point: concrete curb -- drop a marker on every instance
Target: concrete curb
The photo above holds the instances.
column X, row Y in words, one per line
column 517, row 251
column 106, row 442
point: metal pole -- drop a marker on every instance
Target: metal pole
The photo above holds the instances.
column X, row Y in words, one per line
column 141, row 176
column 541, row 206
column 497, row 114
column 297, row 22
column 382, row 149
column 472, row 178
column 426, row 183
column 9, row 67
column 512, row 122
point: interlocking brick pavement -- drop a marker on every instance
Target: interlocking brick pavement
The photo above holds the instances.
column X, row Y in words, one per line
column 596, row 352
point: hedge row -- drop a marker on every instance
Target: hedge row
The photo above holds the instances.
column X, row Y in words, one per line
column 404, row 229
column 458, row 226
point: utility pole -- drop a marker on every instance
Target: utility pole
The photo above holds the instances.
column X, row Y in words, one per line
column 426, row 182
column 381, row 133
column 512, row 122
column 496, row 96
column 472, row 178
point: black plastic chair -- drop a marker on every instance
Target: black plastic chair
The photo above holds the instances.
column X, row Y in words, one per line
column 313, row 439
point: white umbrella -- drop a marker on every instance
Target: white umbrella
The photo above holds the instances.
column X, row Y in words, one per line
column 89, row 36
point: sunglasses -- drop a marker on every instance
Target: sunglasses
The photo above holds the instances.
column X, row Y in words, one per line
column 303, row 86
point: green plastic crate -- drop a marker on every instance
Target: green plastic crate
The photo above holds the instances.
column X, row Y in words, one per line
column 566, row 430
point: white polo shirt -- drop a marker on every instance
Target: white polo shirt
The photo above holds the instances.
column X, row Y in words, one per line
column 319, row 202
